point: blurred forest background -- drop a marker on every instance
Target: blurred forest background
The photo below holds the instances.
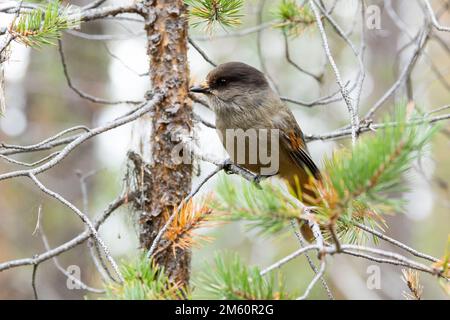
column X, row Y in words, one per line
column 39, row 104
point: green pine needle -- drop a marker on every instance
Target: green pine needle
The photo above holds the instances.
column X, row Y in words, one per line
column 143, row 280
column 294, row 18
column 359, row 185
column 212, row 12
column 373, row 169
column 368, row 180
column 229, row 278
column 42, row 26
column 268, row 210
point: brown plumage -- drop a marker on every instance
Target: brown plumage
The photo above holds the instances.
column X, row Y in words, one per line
column 242, row 99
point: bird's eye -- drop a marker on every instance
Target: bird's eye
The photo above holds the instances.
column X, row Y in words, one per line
column 222, row 81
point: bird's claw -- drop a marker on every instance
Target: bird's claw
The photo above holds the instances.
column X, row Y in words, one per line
column 227, row 166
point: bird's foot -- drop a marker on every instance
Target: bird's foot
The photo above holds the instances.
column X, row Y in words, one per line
column 227, row 164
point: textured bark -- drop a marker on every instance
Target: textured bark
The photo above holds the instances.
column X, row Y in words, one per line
column 170, row 182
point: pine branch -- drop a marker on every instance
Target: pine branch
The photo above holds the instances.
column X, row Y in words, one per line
column 356, row 187
column 40, row 26
column 143, row 280
column 358, row 184
column 231, row 279
column 267, row 210
column 181, row 232
column 294, row 19
column 411, row 278
column 212, row 12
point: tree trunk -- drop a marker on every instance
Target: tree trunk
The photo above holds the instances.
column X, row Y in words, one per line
column 167, row 27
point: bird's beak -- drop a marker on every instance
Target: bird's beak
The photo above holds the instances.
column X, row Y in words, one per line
column 202, row 88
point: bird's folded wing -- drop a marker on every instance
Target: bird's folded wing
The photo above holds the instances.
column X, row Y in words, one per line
column 295, row 144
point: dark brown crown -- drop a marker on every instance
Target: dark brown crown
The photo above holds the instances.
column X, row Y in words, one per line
column 236, row 74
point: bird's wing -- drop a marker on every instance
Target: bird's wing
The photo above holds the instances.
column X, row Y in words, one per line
column 291, row 138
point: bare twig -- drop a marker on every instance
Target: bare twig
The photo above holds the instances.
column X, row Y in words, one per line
column 33, row 281
column 146, row 107
column 318, row 78
column 49, row 254
column 83, row 218
column 69, row 276
column 314, row 281
column 344, row 92
column 201, row 52
column 339, row 134
column 433, row 18
column 302, row 242
column 396, row 243
column 80, row 92
column 422, row 39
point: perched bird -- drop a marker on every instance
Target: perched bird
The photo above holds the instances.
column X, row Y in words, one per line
column 247, row 108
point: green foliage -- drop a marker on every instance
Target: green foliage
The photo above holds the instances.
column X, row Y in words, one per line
column 357, row 185
column 209, row 12
column 143, row 281
column 268, row 210
column 43, row 26
column 374, row 168
column 231, row 279
column 294, row 18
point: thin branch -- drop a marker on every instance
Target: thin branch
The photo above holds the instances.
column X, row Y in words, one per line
column 389, row 257
column 328, row 99
column 358, row 54
column 49, row 254
column 69, row 276
column 287, row 55
column 396, row 242
column 201, row 52
column 226, row 164
column 83, row 15
column 314, row 281
column 422, row 40
column 120, row 60
column 259, row 47
column 344, row 92
column 37, row 228
column 433, row 18
column 44, row 142
column 302, row 242
column 80, row 92
column 99, row 262
column 83, row 218
column 33, row 164
column 368, row 126
column 94, row 249
column 145, row 108
column 393, row 256
column 104, row 37
column 33, row 281
column 289, row 257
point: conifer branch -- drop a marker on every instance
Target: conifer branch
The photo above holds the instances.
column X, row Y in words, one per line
column 40, row 27
column 229, row 278
column 144, row 280
column 211, row 12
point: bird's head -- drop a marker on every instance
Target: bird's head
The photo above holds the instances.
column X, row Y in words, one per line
column 234, row 85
